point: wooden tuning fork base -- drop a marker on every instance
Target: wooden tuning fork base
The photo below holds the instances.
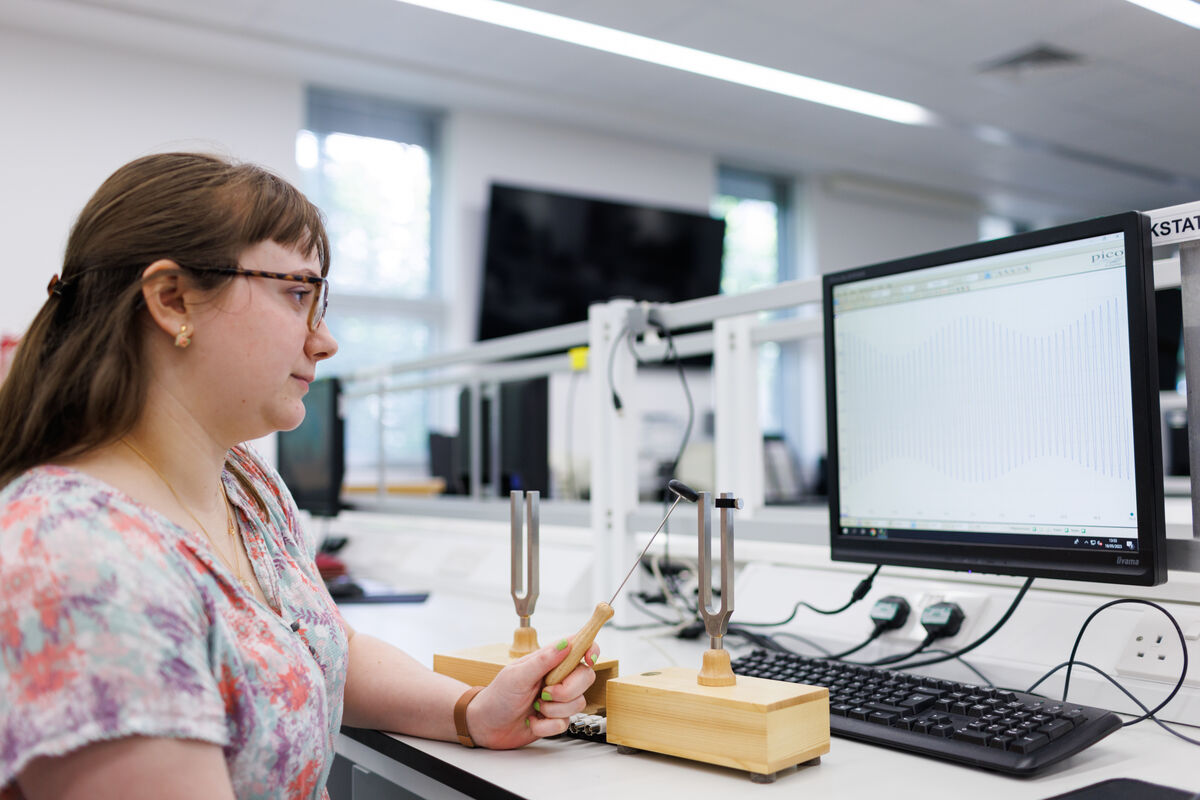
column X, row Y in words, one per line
column 711, row 715
column 477, row 666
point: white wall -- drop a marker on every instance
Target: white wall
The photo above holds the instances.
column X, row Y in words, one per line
column 481, row 148
column 74, row 113
column 851, row 222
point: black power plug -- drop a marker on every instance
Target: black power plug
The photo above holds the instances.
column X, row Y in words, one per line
column 942, row 619
column 890, row 613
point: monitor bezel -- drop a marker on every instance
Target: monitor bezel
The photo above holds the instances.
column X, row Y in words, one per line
column 1058, row 563
column 322, row 406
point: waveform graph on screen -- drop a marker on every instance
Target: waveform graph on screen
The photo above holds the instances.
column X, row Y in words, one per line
column 991, row 406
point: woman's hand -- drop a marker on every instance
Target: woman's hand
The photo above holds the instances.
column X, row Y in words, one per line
column 516, row 708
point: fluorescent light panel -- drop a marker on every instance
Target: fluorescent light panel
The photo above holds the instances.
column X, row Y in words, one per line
column 687, row 59
column 1185, row 11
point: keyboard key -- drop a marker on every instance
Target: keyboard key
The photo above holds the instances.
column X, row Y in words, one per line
column 1075, row 716
column 1029, row 743
column 971, row 736
column 917, row 703
column 1056, row 728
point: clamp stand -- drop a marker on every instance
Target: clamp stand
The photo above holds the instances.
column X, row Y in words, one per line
column 755, row 724
column 477, row 666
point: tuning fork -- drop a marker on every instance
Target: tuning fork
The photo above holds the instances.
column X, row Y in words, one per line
column 524, row 547
column 716, row 669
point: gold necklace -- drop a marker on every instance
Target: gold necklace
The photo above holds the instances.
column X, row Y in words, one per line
column 237, row 570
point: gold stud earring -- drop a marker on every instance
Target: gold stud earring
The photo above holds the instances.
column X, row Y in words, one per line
column 184, row 337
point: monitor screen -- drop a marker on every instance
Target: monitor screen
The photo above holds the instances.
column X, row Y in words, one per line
column 312, row 457
column 994, row 407
column 549, row 255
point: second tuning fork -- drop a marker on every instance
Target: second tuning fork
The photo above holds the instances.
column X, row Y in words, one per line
column 526, row 520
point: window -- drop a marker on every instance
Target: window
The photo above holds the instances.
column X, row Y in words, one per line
column 754, row 207
column 368, row 164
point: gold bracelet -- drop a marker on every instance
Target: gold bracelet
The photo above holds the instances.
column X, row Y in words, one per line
column 460, row 716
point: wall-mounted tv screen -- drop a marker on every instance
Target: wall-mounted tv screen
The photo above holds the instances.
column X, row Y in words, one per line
column 549, row 255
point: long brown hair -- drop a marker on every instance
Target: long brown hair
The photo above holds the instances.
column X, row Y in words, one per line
column 78, row 378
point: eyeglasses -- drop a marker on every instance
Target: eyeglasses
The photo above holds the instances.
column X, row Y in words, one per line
column 320, row 300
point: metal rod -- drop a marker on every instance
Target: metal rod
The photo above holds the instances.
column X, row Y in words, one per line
column 647, row 547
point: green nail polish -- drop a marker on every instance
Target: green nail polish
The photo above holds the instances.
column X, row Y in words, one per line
column 546, row 694
column 527, row 722
column 562, row 645
column 537, row 705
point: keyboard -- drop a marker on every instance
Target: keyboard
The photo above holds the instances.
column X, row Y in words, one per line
column 994, row 729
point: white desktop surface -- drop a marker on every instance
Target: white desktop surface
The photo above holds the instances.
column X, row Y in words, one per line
column 566, row 766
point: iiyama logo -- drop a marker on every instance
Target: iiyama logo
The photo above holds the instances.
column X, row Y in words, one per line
column 1128, row 562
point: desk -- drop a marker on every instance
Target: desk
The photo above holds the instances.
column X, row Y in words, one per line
column 552, row 769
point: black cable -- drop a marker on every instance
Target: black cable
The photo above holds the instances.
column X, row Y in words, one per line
column 673, row 353
column 612, row 355
column 1167, row 614
column 875, row 634
column 889, row 660
column 660, row 621
column 824, row 651
column 860, row 591
column 999, row 624
column 1149, row 714
column 765, row 642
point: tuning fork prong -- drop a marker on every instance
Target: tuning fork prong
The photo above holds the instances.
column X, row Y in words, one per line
column 716, row 621
column 526, row 521
column 716, row 668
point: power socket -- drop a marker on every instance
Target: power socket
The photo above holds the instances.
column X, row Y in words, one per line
column 1152, row 651
column 972, row 604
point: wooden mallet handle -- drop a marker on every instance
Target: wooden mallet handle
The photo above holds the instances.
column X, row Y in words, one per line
column 583, row 640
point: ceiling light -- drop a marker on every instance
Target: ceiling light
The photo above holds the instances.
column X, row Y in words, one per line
column 1185, row 11
column 687, row 59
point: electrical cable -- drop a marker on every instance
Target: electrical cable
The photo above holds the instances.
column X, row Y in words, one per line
column 1149, row 714
column 612, row 356
column 999, row 624
column 824, row 651
column 643, row 607
column 673, row 353
column 763, row 641
column 875, row 634
column 860, row 591
column 1167, row 614
column 670, row 592
column 889, row 660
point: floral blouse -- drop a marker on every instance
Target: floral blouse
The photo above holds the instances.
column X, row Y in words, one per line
column 116, row 622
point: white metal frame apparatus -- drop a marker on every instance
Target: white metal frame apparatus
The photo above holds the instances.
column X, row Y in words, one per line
column 737, row 332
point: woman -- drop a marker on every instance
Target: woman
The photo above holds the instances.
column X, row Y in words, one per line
column 163, row 629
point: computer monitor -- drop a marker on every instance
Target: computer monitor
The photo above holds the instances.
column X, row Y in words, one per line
column 994, row 407
column 524, row 440
column 312, row 458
